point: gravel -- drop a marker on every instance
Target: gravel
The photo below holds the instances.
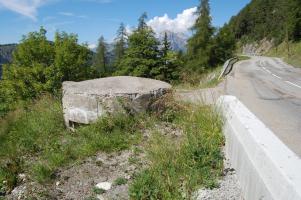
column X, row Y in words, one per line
column 229, row 188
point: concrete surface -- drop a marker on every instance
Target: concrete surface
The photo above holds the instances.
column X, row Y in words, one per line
column 265, row 166
column 271, row 89
column 84, row 102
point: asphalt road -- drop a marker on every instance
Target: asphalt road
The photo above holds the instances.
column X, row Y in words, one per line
column 271, row 89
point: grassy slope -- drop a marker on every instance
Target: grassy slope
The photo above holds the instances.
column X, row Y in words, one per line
column 178, row 168
column 295, row 54
column 34, row 141
column 207, row 79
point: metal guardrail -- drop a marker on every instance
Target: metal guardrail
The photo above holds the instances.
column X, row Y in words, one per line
column 227, row 68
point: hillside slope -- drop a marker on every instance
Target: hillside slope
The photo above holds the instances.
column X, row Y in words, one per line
column 272, row 19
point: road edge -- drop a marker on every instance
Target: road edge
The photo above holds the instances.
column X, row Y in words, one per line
column 266, row 167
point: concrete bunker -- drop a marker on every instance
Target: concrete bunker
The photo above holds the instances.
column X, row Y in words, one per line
column 84, row 102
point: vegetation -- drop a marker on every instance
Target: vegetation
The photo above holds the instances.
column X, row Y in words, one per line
column 6, row 52
column 208, row 47
column 120, row 44
column 33, row 139
column 178, row 167
column 40, row 66
column 200, row 44
column 141, row 56
column 243, row 58
column 36, row 142
column 98, row 190
column 282, row 17
column 293, row 58
column 100, row 58
column 120, row 181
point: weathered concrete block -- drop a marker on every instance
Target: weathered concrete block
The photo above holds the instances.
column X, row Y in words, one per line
column 84, row 102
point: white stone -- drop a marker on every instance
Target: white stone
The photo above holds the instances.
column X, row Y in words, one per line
column 100, row 197
column 104, row 186
column 84, row 102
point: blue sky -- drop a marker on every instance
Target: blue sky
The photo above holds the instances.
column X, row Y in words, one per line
column 92, row 18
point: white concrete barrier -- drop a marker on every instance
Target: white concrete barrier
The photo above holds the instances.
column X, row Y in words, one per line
column 266, row 167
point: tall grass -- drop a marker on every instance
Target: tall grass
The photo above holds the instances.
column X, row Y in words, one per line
column 207, row 79
column 178, row 167
column 36, row 142
column 293, row 57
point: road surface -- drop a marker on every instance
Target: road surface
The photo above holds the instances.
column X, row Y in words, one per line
column 271, row 89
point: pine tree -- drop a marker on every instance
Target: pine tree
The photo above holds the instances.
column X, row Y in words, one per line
column 166, row 45
column 142, row 55
column 100, row 59
column 169, row 62
column 120, row 44
column 142, row 22
column 223, row 46
column 199, row 45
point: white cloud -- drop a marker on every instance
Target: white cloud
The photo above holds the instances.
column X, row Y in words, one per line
column 129, row 30
column 27, row 8
column 181, row 24
column 92, row 46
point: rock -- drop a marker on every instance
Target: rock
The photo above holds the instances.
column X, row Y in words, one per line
column 100, row 197
column 257, row 48
column 18, row 192
column 104, row 186
column 57, row 183
column 22, row 177
column 84, row 102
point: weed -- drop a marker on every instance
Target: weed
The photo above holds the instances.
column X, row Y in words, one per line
column 240, row 58
column 38, row 133
column 120, row 181
column 207, row 79
column 292, row 57
column 177, row 169
column 133, row 160
column 98, row 190
column 42, row 172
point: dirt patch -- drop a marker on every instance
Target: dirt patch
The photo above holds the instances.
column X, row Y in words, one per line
column 79, row 180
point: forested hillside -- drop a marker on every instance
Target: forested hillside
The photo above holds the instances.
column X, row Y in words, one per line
column 272, row 19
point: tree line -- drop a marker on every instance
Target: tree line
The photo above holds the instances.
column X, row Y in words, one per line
column 141, row 54
column 40, row 65
column 279, row 20
column 138, row 54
